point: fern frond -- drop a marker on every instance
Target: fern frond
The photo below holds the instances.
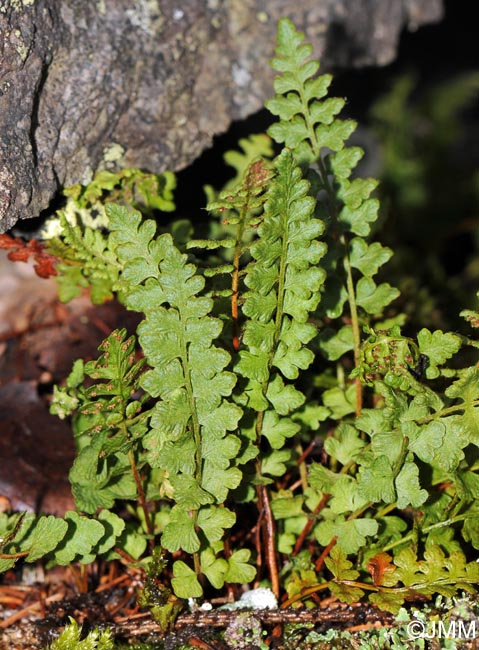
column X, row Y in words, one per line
column 306, row 125
column 240, row 208
column 107, row 423
column 86, row 260
column 284, row 283
column 61, row 540
column 131, row 186
column 192, row 421
column 79, row 239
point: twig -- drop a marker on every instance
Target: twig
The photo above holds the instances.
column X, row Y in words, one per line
column 320, row 561
column 309, row 524
column 142, row 501
column 269, row 533
column 342, row 613
column 28, row 610
column 113, row 583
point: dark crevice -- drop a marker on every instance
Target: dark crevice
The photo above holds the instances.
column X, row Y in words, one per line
column 35, row 120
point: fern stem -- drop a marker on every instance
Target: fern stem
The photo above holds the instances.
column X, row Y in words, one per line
column 196, row 429
column 13, row 556
column 141, row 499
column 306, row 592
column 302, row 455
column 386, row 510
column 353, row 308
column 309, row 525
column 197, row 563
column 234, row 301
column 427, row 529
column 326, row 551
column 235, row 277
column 124, row 393
column 281, row 281
column 269, row 532
column 269, row 527
column 442, row 413
column 354, row 324
column 447, row 411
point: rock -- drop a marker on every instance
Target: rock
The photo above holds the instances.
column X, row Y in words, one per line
column 107, row 83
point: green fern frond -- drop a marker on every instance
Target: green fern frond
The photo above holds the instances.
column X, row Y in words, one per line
column 86, row 259
column 192, row 422
column 59, row 540
column 133, row 187
column 306, row 124
column 240, row 208
column 107, row 423
column 79, row 239
column 284, row 283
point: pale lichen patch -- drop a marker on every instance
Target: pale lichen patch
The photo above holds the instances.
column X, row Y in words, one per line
column 147, row 16
column 113, row 152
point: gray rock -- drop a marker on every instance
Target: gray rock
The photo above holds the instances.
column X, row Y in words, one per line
column 105, row 83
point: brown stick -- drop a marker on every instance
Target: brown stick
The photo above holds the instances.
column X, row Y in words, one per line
column 309, row 524
column 269, row 534
column 320, row 561
column 27, row 610
column 142, row 501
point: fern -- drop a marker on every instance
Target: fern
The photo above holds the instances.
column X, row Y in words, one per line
column 216, row 410
column 60, row 541
column 192, row 421
column 414, row 426
column 86, row 256
column 308, row 125
column 237, row 207
column 86, row 261
column 243, row 209
column 109, row 424
column 283, row 287
column 283, row 283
